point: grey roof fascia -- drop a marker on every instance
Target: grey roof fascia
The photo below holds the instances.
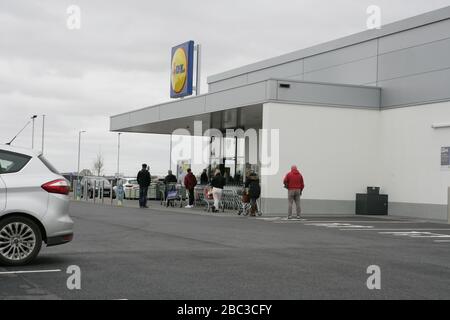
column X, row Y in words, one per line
column 301, row 92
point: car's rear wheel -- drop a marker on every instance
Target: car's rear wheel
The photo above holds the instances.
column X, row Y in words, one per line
column 20, row 241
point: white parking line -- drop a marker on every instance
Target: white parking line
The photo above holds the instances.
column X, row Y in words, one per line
column 417, row 234
column 338, row 225
column 387, row 222
column 306, row 221
column 282, row 220
column 30, row 271
column 395, row 229
column 287, row 221
column 350, row 225
column 269, row 219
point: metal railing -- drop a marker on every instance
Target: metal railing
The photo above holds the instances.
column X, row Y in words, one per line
column 94, row 191
column 231, row 195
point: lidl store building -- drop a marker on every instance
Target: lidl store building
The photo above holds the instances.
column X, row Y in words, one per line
column 370, row 109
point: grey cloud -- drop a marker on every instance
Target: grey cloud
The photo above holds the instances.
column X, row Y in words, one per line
column 119, row 60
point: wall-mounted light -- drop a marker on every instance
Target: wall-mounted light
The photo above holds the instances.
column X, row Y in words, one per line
column 440, row 125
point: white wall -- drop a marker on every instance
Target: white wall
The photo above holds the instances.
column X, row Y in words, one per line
column 340, row 151
column 410, row 149
column 334, row 148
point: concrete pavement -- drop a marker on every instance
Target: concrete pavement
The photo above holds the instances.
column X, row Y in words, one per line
column 131, row 253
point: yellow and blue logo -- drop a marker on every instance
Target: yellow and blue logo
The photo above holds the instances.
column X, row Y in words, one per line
column 182, row 70
column 179, row 71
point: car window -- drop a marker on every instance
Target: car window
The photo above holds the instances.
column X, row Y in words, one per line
column 11, row 162
column 132, row 182
column 48, row 165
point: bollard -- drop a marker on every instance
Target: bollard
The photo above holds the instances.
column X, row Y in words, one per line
column 120, row 194
column 111, row 192
column 77, row 190
column 86, row 190
column 94, row 191
column 448, row 206
column 103, row 192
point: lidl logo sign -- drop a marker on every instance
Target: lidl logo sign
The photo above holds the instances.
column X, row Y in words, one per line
column 179, row 74
column 182, row 70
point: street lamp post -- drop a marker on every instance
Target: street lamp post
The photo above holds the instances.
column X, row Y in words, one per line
column 79, row 149
column 43, row 128
column 118, row 154
column 78, row 170
column 32, row 131
column 170, row 153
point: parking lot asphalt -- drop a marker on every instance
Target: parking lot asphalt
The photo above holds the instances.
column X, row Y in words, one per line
column 131, row 253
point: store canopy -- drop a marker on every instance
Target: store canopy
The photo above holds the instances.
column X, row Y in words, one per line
column 241, row 107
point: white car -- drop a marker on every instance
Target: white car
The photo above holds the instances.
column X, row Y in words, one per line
column 34, row 206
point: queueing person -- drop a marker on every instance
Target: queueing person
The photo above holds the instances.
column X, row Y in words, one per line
column 170, row 178
column 217, row 183
column 190, row 181
column 237, row 178
column 204, row 180
column 169, row 184
column 293, row 181
column 254, row 191
column 144, row 179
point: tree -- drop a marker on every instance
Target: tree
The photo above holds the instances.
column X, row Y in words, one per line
column 85, row 172
column 99, row 164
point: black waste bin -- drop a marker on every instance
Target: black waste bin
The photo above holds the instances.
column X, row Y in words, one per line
column 371, row 204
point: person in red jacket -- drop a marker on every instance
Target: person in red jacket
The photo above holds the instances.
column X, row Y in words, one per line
column 190, row 181
column 293, row 181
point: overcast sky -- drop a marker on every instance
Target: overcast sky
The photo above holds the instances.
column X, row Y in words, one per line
column 120, row 60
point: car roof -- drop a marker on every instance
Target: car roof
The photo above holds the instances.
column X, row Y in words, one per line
column 26, row 151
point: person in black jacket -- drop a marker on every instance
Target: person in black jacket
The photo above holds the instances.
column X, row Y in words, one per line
column 204, row 177
column 170, row 178
column 144, row 179
column 169, row 185
column 254, row 191
column 217, row 183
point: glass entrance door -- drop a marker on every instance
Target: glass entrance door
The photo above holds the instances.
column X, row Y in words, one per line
column 228, row 155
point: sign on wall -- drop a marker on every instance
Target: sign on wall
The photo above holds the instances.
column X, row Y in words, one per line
column 182, row 167
column 182, row 74
column 445, row 158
